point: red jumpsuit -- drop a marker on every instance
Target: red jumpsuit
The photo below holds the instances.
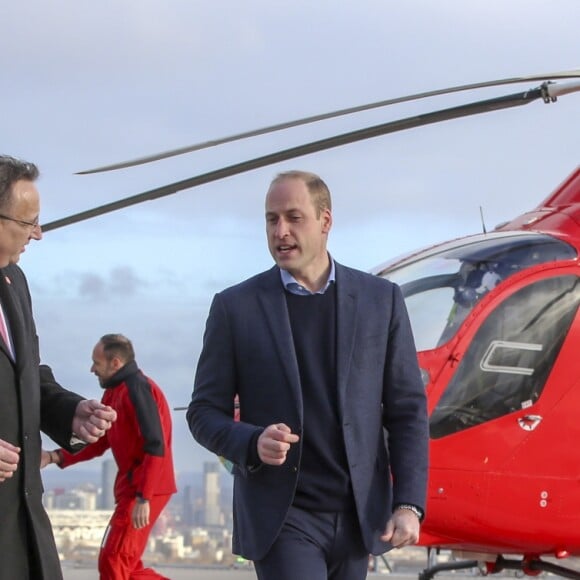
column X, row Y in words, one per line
column 140, row 440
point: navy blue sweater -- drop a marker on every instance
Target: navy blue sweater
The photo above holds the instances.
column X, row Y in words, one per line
column 324, row 480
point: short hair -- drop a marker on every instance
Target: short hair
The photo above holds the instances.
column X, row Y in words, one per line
column 119, row 346
column 318, row 190
column 11, row 171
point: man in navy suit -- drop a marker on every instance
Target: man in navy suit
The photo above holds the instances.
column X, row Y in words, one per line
column 330, row 450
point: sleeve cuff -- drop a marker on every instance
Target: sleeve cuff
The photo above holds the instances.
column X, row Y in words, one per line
column 253, row 457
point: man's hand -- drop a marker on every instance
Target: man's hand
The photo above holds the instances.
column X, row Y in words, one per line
column 140, row 515
column 402, row 529
column 45, row 458
column 92, row 419
column 274, row 443
column 9, row 457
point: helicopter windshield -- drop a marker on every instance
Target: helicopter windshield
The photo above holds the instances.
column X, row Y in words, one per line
column 442, row 285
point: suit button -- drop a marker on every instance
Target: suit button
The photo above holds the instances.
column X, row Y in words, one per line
column 294, row 469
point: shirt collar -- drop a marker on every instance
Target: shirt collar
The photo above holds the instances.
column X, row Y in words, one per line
column 293, row 286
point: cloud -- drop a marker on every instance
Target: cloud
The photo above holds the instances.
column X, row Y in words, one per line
column 125, row 281
column 121, row 281
column 92, row 286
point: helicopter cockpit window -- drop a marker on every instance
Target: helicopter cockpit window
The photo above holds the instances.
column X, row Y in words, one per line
column 442, row 288
column 510, row 357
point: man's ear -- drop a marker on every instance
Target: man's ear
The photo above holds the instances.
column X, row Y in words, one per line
column 117, row 363
column 326, row 219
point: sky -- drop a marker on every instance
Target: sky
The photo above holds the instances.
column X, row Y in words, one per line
column 91, row 83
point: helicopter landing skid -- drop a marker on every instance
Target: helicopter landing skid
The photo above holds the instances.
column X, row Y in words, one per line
column 531, row 567
column 430, row 572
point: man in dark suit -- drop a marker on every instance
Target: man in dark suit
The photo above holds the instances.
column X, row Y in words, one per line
column 30, row 398
column 323, row 361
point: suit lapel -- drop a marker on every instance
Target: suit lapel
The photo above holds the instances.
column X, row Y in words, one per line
column 346, row 320
column 273, row 302
column 14, row 317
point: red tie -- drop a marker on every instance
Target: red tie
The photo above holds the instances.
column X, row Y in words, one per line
column 4, row 332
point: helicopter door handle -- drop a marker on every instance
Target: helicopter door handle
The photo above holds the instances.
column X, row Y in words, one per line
column 529, row 422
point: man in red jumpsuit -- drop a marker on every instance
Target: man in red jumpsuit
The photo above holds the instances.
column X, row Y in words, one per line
column 140, row 441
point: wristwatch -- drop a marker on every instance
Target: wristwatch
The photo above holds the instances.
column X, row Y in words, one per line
column 411, row 508
column 76, row 443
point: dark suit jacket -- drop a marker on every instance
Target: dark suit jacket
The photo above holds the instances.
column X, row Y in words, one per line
column 30, row 400
column 248, row 351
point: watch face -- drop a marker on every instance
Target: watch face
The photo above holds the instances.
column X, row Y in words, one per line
column 77, row 444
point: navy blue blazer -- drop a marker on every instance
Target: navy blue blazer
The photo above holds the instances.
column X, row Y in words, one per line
column 248, row 351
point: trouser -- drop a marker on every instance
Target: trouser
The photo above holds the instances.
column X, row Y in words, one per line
column 316, row 546
column 123, row 545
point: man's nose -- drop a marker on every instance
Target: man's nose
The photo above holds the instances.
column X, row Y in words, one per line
column 36, row 233
column 281, row 229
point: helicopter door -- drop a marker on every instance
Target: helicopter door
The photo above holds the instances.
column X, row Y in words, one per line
column 509, row 359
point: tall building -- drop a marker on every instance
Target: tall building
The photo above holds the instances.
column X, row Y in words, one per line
column 188, row 506
column 211, row 493
column 108, row 474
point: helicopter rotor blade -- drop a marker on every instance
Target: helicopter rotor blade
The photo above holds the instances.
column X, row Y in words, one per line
column 547, row 92
column 339, row 113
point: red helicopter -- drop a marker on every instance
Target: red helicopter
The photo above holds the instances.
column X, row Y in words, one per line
column 495, row 318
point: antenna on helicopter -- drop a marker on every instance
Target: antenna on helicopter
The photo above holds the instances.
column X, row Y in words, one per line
column 482, row 220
